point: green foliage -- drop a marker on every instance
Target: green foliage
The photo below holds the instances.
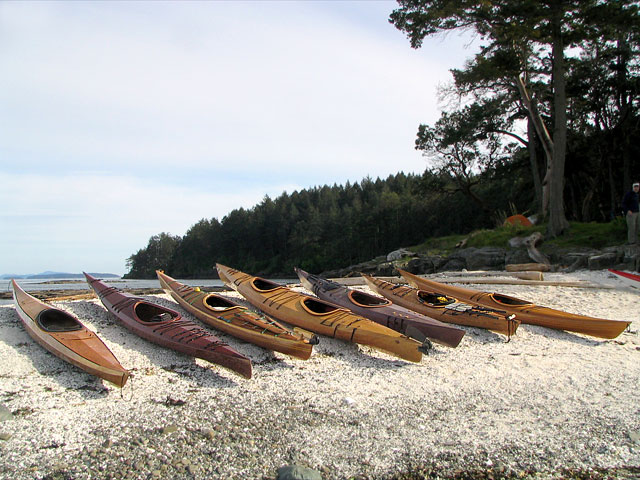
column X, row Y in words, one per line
column 592, row 234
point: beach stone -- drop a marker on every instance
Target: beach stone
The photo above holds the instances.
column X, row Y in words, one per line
column 297, row 472
column 5, row 413
column 169, row 429
column 5, row 436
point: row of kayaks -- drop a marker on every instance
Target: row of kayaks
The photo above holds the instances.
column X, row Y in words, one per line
column 402, row 321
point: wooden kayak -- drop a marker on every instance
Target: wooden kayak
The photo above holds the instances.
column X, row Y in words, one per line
column 317, row 315
column 382, row 311
column 526, row 312
column 630, row 279
column 67, row 338
column 236, row 320
column 445, row 308
column 167, row 328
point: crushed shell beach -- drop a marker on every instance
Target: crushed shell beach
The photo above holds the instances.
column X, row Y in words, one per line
column 542, row 405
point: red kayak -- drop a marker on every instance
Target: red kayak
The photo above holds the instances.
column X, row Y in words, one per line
column 167, row 328
column 629, row 278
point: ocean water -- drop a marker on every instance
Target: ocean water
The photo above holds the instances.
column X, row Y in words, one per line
column 34, row 285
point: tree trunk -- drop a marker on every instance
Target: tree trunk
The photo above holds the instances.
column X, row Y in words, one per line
column 547, row 143
column 535, row 168
column 557, row 220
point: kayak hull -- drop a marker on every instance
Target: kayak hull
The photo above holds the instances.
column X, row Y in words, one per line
column 317, row 315
column 167, row 328
column 67, row 338
column 236, row 320
column 527, row 312
column 385, row 313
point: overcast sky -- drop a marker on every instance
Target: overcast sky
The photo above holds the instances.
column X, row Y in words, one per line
column 121, row 120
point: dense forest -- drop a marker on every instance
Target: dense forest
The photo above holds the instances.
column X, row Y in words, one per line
column 544, row 119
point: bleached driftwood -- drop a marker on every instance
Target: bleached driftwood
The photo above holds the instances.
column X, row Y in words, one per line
column 527, row 267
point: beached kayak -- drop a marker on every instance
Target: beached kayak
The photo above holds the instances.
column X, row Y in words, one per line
column 317, row 315
column 445, row 308
column 167, row 328
column 67, row 338
column 236, row 320
column 382, row 311
column 630, row 279
column 525, row 311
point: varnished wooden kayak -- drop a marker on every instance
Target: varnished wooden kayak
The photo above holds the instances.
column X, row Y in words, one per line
column 382, row 311
column 67, row 338
column 526, row 312
column 167, row 328
column 317, row 315
column 445, row 308
column 235, row 319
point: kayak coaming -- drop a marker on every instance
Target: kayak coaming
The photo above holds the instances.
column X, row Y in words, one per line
column 78, row 345
column 169, row 330
column 382, row 311
column 449, row 311
column 317, row 315
column 527, row 312
column 236, row 320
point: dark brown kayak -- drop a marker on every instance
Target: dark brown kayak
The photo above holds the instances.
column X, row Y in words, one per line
column 167, row 328
column 382, row 311
column 67, row 338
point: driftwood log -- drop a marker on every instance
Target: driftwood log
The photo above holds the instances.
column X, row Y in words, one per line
column 527, row 267
column 531, row 242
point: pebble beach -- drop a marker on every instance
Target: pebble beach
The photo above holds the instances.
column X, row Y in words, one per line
column 546, row 404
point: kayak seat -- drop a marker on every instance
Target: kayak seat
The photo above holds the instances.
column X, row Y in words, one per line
column 435, row 299
column 54, row 320
column 150, row 313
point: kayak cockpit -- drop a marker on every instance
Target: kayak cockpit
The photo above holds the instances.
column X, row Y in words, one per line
column 262, row 285
column 318, row 307
column 150, row 313
column 215, row 302
column 363, row 299
column 54, row 320
column 435, row 299
column 506, row 300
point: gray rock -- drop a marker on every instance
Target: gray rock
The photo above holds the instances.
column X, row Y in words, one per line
column 297, row 472
column 486, row 258
column 420, row 265
column 385, row 270
column 398, row 254
column 599, row 262
column 5, row 413
column 516, row 256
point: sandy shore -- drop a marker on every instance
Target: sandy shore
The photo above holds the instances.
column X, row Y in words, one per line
column 544, row 402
